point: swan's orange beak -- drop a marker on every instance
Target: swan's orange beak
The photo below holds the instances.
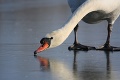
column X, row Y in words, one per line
column 42, row 48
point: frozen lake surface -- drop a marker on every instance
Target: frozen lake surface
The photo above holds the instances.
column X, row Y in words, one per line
column 24, row 23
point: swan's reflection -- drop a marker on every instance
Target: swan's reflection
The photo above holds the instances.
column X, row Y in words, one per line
column 79, row 70
column 92, row 73
column 108, row 66
column 58, row 69
column 74, row 61
column 44, row 63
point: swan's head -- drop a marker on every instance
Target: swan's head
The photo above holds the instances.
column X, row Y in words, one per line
column 51, row 40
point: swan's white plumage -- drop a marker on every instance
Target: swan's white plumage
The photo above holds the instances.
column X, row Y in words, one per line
column 111, row 8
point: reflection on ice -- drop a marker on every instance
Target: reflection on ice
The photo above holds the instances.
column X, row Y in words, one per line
column 60, row 70
column 44, row 63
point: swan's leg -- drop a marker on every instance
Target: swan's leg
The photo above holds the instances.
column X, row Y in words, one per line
column 75, row 32
column 107, row 45
column 76, row 45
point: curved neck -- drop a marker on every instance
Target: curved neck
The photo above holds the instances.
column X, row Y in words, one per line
column 60, row 35
column 83, row 10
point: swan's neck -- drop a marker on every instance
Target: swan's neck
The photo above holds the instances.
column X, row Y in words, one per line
column 60, row 35
column 83, row 10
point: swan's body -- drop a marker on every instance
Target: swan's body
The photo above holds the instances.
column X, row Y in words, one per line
column 107, row 10
column 90, row 11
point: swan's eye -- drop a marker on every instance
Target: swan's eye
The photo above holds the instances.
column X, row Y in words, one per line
column 48, row 40
column 51, row 38
column 42, row 40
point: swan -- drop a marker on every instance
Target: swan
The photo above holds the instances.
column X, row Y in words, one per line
column 90, row 11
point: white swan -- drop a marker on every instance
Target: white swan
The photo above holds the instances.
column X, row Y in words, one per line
column 90, row 11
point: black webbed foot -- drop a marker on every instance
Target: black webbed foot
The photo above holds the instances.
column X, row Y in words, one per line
column 108, row 48
column 80, row 47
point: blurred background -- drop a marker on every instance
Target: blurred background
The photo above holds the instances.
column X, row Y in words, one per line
column 26, row 21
